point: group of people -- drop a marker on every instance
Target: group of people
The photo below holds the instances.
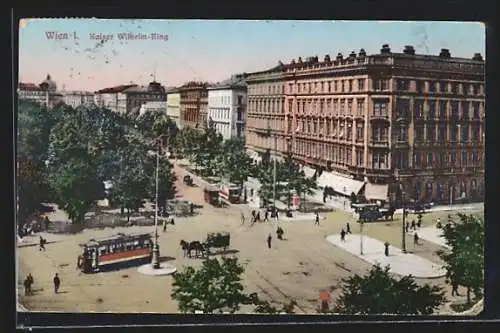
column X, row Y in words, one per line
column 29, row 281
column 413, row 226
column 345, row 231
column 33, row 227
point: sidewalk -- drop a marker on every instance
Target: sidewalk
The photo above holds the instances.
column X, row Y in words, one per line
column 454, row 208
column 400, row 263
column 433, row 235
column 309, row 217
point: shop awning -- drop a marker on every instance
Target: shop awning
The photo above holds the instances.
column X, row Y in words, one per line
column 376, row 192
column 308, row 171
column 339, row 183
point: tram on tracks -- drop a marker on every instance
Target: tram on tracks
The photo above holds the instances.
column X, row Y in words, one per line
column 115, row 251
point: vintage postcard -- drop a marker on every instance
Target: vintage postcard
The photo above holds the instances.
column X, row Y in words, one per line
column 231, row 166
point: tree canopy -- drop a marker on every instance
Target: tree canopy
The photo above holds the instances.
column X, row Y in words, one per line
column 379, row 293
column 464, row 263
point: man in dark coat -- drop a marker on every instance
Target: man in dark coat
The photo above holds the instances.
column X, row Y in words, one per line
column 342, row 235
column 316, row 220
column 57, row 283
column 348, row 228
column 269, row 239
column 42, row 243
column 30, row 283
column 266, row 216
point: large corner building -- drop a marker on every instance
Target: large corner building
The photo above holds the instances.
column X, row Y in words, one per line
column 368, row 121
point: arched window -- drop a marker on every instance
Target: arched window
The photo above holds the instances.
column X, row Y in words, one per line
column 440, row 192
column 428, row 193
column 451, row 190
column 463, row 190
column 417, row 190
column 474, row 184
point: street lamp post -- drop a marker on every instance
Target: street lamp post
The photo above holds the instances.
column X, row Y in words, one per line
column 361, row 225
column 155, row 259
column 403, row 230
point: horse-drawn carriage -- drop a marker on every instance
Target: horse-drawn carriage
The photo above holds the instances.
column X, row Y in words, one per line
column 218, row 240
column 372, row 212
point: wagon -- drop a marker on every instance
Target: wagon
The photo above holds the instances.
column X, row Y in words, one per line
column 218, row 240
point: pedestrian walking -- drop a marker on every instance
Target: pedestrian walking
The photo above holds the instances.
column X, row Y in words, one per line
column 348, row 228
column 413, row 225
column 42, row 243
column 269, row 239
column 279, row 233
column 266, row 216
column 342, row 235
column 172, row 221
column 30, row 283
column 454, row 289
column 47, row 223
column 419, row 223
column 415, row 239
column 316, row 220
column 438, row 224
column 407, row 226
column 26, row 285
column 386, row 250
column 242, row 218
column 164, row 225
column 57, row 283
column 276, row 214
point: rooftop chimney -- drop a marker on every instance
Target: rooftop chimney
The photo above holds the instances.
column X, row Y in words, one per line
column 352, row 55
column 339, row 56
column 409, row 50
column 385, row 49
column 362, row 53
column 327, row 58
column 445, row 53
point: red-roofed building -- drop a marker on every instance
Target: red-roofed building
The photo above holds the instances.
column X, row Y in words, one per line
column 45, row 93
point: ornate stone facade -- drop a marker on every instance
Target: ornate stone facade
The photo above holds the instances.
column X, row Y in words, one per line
column 368, row 115
column 194, row 104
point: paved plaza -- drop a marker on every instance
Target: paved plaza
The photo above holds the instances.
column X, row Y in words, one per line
column 298, row 267
column 400, row 263
column 433, row 234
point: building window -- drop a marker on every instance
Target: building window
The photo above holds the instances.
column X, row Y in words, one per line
column 402, row 108
column 442, row 133
column 442, row 159
column 455, row 88
column 442, row 87
column 403, row 84
column 342, row 86
column 432, row 109
column 335, row 87
column 475, row 110
column 464, row 133
column 361, row 84
column 360, row 133
column 432, row 86
column 430, row 133
column 328, row 86
column 349, row 106
column 349, row 86
column 454, row 110
column 440, row 192
column 359, row 158
column 419, row 133
column 380, row 108
column 474, row 158
column 465, row 110
column 419, row 109
column 429, row 160
column 361, row 108
column 475, row 133
column 418, row 160
column 464, row 159
column 453, row 158
column 442, row 110
column 378, row 160
column 476, row 88
column 342, row 107
column 420, row 86
column 402, row 134
column 380, row 84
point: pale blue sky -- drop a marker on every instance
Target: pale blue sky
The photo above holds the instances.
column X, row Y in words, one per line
column 213, row 50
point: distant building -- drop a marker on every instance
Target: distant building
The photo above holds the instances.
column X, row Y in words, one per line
column 45, row 93
column 153, row 107
column 193, row 104
column 227, row 106
column 77, row 98
column 128, row 99
column 174, row 105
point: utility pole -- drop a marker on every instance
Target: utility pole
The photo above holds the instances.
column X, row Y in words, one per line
column 155, row 260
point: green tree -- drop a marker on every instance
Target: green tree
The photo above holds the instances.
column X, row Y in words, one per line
column 77, row 187
column 213, row 288
column 379, row 293
column 32, row 188
column 464, row 263
column 166, row 181
column 236, row 164
column 34, row 125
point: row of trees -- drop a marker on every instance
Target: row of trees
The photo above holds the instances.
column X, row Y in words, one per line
column 216, row 286
column 65, row 155
column 213, row 156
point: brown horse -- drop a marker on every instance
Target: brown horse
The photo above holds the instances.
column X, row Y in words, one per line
column 188, row 247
